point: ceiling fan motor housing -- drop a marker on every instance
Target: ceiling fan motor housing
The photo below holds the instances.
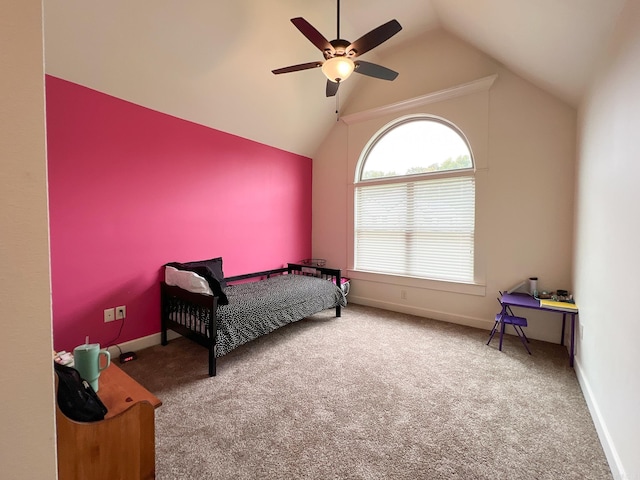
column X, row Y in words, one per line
column 340, row 49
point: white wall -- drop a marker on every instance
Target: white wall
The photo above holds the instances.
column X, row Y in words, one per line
column 608, row 246
column 27, row 416
column 525, row 140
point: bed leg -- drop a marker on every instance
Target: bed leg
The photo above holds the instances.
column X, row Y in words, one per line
column 213, row 337
column 212, row 361
column 338, row 281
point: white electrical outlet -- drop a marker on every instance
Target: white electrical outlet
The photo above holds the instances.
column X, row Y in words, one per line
column 403, row 294
column 121, row 312
column 109, row 315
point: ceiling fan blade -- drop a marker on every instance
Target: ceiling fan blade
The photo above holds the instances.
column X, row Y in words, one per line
column 375, row 37
column 373, row 70
column 332, row 88
column 297, row 68
column 313, row 35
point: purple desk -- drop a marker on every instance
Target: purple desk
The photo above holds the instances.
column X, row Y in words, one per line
column 523, row 300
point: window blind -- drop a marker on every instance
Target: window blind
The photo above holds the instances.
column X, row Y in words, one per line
column 417, row 228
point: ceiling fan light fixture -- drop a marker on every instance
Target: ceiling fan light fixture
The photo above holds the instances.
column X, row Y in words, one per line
column 338, row 69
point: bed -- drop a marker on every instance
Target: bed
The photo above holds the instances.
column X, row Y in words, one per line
column 221, row 314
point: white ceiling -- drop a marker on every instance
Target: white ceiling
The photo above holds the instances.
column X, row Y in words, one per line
column 210, row 61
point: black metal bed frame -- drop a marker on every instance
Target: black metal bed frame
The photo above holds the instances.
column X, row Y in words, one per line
column 191, row 311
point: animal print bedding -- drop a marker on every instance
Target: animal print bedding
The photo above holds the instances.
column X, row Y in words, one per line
column 257, row 308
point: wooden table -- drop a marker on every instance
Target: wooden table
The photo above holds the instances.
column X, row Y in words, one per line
column 122, row 446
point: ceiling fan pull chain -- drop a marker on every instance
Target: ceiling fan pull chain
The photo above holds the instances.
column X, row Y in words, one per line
column 337, row 106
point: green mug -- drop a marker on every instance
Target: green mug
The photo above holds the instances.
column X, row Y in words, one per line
column 86, row 359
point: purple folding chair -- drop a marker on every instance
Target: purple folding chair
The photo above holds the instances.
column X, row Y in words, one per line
column 506, row 317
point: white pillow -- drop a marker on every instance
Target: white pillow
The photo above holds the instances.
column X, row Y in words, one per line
column 186, row 280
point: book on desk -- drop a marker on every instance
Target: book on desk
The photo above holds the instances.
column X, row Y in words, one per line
column 554, row 304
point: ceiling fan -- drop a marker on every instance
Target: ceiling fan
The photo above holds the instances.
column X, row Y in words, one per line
column 340, row 55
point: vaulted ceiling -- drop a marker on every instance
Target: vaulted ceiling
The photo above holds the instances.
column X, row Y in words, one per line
column 210, row 61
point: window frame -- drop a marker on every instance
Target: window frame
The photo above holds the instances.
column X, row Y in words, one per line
column 379, row 135
column 405, row 279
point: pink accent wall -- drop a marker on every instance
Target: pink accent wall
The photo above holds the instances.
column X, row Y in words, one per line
column 131, row 189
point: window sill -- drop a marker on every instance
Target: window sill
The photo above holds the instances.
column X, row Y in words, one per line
column 439, row 285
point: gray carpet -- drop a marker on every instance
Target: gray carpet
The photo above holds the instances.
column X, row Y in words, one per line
column 371, row 395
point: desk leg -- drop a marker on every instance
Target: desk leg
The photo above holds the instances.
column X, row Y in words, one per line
column 502, row 327
column 564, row 321
column 573, row 334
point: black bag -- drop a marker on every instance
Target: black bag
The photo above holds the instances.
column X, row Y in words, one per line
column 76, row 398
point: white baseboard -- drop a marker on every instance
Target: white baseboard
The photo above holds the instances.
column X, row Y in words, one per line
column 140, row 343
column 424, row 312
column 154, row 339
column 617, row 470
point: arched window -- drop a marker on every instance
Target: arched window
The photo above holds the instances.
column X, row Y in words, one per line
column 415, row 202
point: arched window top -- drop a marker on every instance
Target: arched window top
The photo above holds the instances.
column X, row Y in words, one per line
column 415, row 145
